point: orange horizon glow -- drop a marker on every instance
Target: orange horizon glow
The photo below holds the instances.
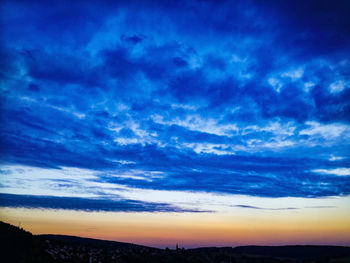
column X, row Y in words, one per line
column 187, row 229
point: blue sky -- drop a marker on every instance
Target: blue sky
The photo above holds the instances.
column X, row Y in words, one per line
column 217, row 97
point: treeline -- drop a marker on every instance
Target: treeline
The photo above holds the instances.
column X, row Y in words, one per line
column 20, row 246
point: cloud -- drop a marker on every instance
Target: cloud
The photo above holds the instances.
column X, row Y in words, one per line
column 229, row 174
column 326, row 131
column 85, row 204
column 335, row 171
column 335, row 158
column 283, row 208
column 337, row 86
column 224, row 97
column 262, row 208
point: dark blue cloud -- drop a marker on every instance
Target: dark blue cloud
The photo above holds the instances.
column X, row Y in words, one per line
column 219, row 96
column 261, row 208
column 132, row 39
column 85, row 204
column 312, row 28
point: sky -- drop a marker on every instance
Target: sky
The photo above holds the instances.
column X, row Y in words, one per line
column 203, row 123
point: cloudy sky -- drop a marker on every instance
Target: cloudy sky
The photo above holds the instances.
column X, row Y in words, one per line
column 211, row 116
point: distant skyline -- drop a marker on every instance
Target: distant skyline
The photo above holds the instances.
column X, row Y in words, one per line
column 201, row 123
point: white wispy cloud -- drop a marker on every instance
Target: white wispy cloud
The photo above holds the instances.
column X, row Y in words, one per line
column 338, row 86
column 197, row 123
column 327, row 131
column 336, row 171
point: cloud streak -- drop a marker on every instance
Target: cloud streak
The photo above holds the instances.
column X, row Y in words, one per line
column 264, row 208
column 85, row 204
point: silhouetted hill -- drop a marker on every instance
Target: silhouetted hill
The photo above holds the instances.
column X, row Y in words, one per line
column 20, row 246
column 94, row 242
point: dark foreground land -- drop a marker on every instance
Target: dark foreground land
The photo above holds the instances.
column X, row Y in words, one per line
column 18, row 245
